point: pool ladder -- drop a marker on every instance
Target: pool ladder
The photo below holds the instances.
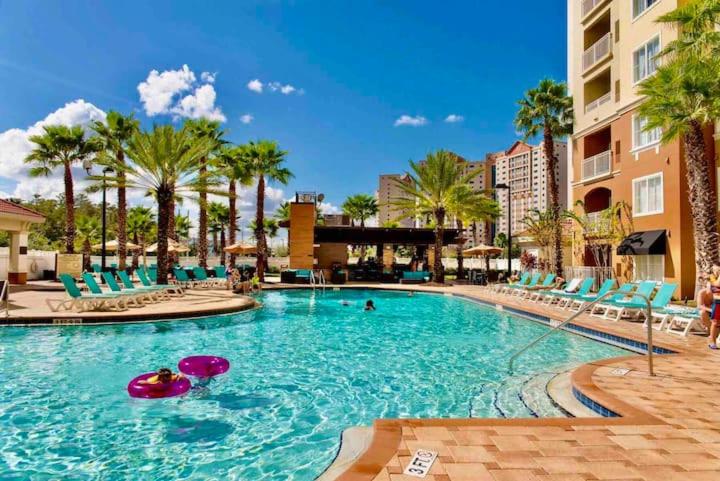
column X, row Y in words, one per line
column 648, row 313
column 317, row 279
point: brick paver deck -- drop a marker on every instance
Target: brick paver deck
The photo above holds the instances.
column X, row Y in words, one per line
column 668, row 429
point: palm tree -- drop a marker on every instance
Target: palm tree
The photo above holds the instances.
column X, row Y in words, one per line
column 547, row 109
column 140, row 225
column 682, row 98
column 182, row 227
column 113, row 135
column 219, row 216
column 165, row 162
column 88, row 232
column 264, row 161
column 61, row 146
column 232, row 163
column 205, row 130
column 282, row 213
column 432, row 191
column 469, row 207
column 360, row 207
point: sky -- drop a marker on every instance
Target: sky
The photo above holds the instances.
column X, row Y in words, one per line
column 351, row 89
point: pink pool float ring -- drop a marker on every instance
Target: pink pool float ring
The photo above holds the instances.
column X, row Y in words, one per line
column 158, row 390
column 204, row 366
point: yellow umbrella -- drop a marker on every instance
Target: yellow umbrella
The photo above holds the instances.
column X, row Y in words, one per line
column 113, row 246
column 482, row 250
column 241, row 248
column 173, row 246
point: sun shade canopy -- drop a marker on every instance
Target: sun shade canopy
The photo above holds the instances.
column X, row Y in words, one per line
column 647, row 243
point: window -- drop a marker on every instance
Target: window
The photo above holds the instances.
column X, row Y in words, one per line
column 649, row 268
column 641, row 137
column 648, row 195
column 639, row 6
column 646, row 60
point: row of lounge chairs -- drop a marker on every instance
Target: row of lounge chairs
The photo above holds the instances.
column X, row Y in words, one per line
column 118, row 297
column 627, row 303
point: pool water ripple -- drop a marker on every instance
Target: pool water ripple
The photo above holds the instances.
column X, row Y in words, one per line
column 303, row 368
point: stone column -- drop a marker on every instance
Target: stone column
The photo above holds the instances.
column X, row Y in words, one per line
column 17, row 268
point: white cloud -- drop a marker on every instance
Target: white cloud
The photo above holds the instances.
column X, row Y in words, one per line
column 15, row 145
column 178, row 93
column 454, row 118
column 255, row 85
column 415, row 121
column 329, row 208
column 246, row 118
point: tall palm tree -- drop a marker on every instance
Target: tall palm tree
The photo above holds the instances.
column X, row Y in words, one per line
column 61, row 146
column 282, row 213
column 206, row 131
column 264, row 162
column 231, row 161
column 219, row 217
column 683, row 99
column 113, row 135
column 360, row 207
column 182, row 227
column 88, row 232
column 140, row 225
column 432, row 192
column 469, row 207
column 165, row 162
column 547, row 110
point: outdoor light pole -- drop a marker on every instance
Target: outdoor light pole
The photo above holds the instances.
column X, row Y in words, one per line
column 509, row 227
column 103, row 252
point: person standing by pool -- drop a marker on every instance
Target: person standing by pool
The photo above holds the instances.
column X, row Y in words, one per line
column 707, row 307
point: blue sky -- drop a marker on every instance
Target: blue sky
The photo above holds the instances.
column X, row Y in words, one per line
column 356, row 67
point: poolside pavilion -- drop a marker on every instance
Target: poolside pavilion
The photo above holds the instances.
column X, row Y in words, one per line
column 325, row 247
column 16, row 220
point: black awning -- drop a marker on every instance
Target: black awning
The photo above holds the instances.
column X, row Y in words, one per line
column 648, row 243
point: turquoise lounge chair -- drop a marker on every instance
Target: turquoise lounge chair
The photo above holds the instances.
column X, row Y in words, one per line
column 515, row 289
column 182, row 278
column 524, row 279
column 579, row 303
column 95, row 288
column 144, row 295
column 645, row 288
column 220, row 272
column 201, row 277
column 636, row 306
column 533, row 291
column 172, row 289
column 85, row 302
column 548, row 297
column 565, row 298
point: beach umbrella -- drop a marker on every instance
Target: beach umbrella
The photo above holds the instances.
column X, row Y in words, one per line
column 173, row 246
column 113, row 246
column 241, row 249
column 482, row 250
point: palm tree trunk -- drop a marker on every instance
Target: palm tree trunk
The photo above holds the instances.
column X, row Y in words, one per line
column 87, row 265
column 69, row 210
column 460, row 256
column 171, row 256
column 232, row 211
column 439, row 234
column 203, row 219
column 702, row 201
column 550, row 164
column 121, row 214
column 165, row 208
column 135, row 253
column 215, row 242
column 260, row 229
column 222, row 245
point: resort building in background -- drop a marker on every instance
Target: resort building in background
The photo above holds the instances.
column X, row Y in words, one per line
column 612, row 46
column 388, row 190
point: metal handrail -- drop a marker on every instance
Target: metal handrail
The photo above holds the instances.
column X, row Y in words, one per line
column 648, row 313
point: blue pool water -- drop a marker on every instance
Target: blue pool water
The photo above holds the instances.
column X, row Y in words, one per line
column 304, row 367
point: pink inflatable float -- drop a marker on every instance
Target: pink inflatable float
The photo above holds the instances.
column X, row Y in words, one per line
column 159, row 390
column 203, row 366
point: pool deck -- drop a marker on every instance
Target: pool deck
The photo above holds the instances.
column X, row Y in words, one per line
column 29, row 308
column 667, row 428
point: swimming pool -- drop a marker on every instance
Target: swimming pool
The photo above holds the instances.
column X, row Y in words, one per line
column 304, row 367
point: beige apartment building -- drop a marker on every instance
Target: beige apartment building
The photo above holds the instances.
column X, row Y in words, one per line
column 612, row 46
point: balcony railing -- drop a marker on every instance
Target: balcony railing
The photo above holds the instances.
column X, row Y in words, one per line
column 596, row 165
column 589, row 5
column 597, row 52
column 598, row 102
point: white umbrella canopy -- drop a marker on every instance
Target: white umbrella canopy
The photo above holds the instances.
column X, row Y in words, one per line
column 113, row 245
column 482, row 250
column 173, row 246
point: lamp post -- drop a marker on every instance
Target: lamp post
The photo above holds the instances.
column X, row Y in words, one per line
column 509, row 226
column 87, row 165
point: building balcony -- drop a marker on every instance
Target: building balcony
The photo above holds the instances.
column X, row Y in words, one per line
column 589, row 107
column 589, row 6
column 599, row 51
column 597, row 165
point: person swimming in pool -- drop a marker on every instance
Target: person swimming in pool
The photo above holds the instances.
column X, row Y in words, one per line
column 369, row 305
column 162, row 376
